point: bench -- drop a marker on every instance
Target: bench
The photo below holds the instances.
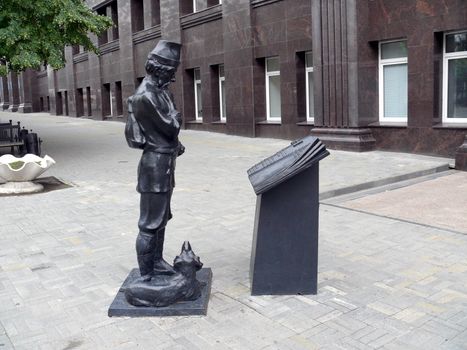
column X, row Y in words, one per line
column 10, row 136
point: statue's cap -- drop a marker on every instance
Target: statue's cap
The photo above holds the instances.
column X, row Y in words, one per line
column 167, row 53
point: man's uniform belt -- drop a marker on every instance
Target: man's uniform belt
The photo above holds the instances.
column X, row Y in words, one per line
column 164, row 150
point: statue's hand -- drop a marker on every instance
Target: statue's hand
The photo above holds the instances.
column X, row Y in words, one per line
column 181, row 149
column 178, row 116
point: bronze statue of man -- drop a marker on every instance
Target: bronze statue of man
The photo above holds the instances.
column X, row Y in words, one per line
column 153, row 125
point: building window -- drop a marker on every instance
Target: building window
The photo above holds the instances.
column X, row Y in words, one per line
column 214, row 2
column 75, row 49
column 155, row 12
column 137, row 15
column 106, row 100
column 393, row 81
column 113, row 13
column 222, row 93
column 310, row 101
column 198, row 100
column 455, row 78
column 197, row 5
column 58, row 103
column 273, row 89
column 119, row 98
column 145, row 15
column 104, row 36
column 88, row 100
column 79, row 102
column 109, row 10
column 66, row 103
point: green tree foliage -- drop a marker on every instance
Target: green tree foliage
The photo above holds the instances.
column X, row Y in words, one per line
column 33, row 32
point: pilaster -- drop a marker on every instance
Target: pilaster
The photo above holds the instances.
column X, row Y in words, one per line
column 71, row 82
column 4, row 93
column 171, row 31
column 336, row 84
column 13, row 88
column 95, row 82
column 127, row 64
column 238, row 67
column 25, row 85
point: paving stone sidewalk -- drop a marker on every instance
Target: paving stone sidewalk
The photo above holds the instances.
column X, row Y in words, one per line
column 383, row 283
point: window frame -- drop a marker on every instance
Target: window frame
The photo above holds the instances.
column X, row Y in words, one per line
column 268, row 75
column 309, row 118
column 222, row 117
column 381, row 64
column 196, row 82
column 446, row 58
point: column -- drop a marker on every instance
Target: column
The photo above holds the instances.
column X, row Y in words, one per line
column 238, row 67
column 127, row 64
column 336, row 80
column 14, row 91
column 95, row 82
column 52, row 83
column 170, row 20
column 70, row 82
column 171, row 31
column 4, row 93
column 25, row 91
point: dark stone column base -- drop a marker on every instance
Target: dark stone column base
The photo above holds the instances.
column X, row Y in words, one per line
column 4, row 105
column 461, row 156
column 25, row 108
column 120, row 307
column 13, row 108
column 346, row 139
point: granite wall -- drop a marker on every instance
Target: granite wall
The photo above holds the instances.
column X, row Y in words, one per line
column 240, row 35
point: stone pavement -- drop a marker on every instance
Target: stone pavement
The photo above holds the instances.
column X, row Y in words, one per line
column 439, row 202
column 383, row 282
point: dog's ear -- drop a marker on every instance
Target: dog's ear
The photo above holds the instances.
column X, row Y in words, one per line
column 186, row 246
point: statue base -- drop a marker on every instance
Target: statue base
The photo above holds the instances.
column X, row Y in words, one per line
column 120, row 307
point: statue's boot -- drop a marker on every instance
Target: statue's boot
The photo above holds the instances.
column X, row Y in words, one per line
column 145, row 250
column 161, row 267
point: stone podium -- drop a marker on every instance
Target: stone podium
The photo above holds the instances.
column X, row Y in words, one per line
column 284, row 257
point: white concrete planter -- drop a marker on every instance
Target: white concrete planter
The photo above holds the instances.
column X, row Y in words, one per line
column 33, row 167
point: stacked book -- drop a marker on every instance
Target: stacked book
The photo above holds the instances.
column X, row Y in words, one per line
column 300, row 155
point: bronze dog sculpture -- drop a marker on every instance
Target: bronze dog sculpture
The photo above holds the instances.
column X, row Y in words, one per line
column 163, row 290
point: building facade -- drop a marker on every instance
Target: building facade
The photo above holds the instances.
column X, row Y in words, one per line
column 360, row 74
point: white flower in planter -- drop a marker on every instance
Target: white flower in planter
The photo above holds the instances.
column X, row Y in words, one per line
column 23, row 169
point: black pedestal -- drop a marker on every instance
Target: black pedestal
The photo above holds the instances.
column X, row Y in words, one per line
column 284, row 258
column 120, row 307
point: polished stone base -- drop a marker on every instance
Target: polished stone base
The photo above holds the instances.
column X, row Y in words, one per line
column 13, row 108
column 461, row 156
column 120, row 307
column 25, row 107
column 346, row 139
column 11, row 188
column 284, row 255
